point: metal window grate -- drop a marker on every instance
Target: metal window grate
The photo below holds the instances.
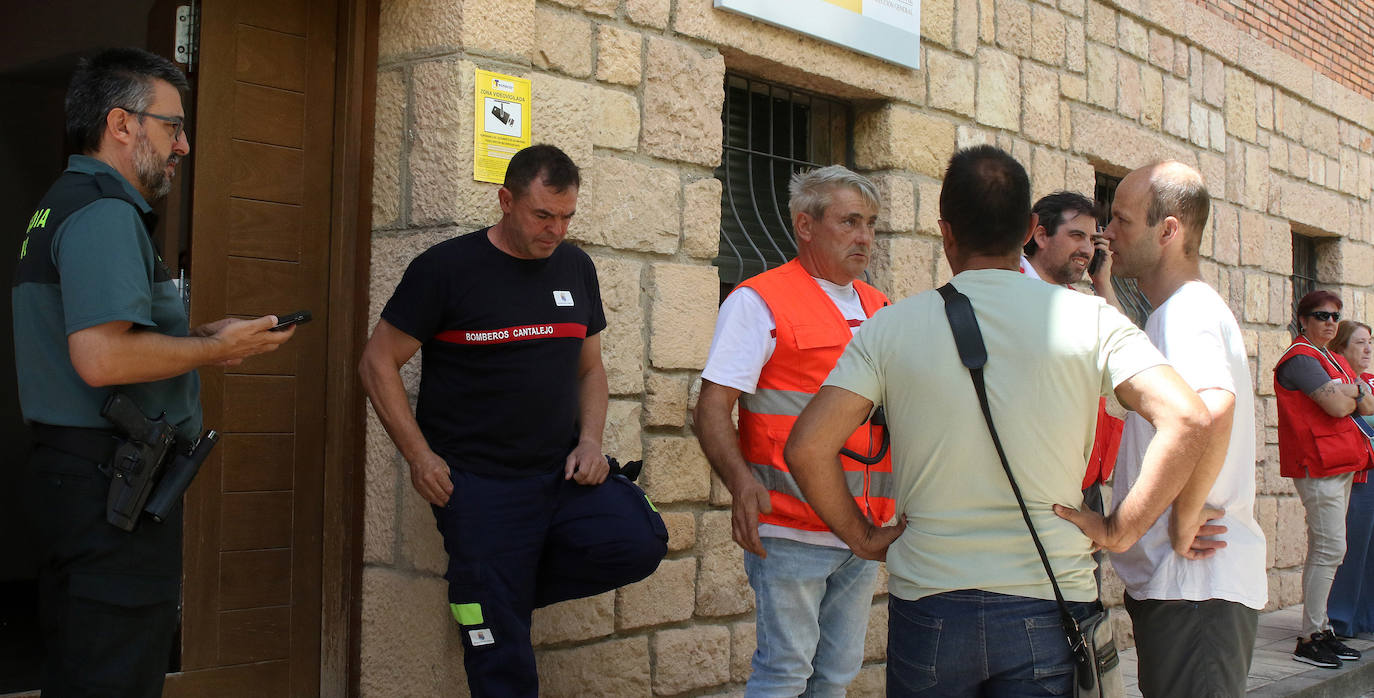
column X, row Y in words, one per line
column 1135, row 304
column 1304, row 273
column 771, row 131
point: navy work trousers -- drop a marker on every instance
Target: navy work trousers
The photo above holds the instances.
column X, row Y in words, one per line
column 517, row 544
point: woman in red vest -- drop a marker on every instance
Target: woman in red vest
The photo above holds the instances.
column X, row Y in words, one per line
column 1321, row 446
column 1351, row 606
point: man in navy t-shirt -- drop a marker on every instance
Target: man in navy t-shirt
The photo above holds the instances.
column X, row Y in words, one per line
column 505, row 440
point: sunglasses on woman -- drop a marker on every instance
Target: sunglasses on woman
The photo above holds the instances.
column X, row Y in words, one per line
column 1325, row 315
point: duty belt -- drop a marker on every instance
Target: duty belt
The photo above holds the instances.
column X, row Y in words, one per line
column 94, row 445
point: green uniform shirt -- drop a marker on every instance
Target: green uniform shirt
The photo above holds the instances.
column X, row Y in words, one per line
column 107, row 268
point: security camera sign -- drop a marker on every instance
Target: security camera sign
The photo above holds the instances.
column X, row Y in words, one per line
column 502, row 124
column 502, row 117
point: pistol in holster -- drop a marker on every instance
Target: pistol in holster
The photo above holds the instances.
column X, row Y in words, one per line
column 151, row 468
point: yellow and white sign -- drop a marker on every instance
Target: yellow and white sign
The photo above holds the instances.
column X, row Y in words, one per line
column 886, row 29
column 896, row 13
column 502, row 125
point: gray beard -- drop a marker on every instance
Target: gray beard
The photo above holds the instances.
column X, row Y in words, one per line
column 151, row 173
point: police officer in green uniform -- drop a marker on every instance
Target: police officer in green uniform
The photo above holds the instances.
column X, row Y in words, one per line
column 96, row 312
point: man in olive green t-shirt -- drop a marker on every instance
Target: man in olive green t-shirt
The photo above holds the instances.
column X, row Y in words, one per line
column 970, row 609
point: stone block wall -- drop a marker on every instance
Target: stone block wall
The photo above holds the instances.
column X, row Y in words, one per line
column 633, row 91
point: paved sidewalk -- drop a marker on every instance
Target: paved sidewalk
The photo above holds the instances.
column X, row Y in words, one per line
column 1274, row 672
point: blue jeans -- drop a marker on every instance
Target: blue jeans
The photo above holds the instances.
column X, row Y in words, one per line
column 977, row 643
column 811, row 605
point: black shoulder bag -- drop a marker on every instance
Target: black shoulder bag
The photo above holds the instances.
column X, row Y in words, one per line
column 1096, row 670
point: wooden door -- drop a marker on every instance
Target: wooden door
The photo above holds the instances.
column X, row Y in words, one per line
column 260, row 243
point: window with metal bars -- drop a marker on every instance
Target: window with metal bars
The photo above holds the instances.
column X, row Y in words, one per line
column 1304, row 273
column 1133, row 302
column 771, row 131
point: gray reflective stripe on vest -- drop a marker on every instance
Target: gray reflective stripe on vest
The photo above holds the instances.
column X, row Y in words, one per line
column 778, row 481
column 788, row 403
column 881, row 484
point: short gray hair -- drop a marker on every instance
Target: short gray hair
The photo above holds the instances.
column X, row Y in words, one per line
column 810, row 190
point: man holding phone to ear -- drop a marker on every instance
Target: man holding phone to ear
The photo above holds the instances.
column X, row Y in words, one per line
column 96, row 312
column 1066, row 243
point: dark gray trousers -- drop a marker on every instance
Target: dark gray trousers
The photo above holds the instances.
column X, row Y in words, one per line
column 1200, row 649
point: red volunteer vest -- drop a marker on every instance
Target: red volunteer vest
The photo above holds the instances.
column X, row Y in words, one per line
column 1106, row 443
column 1312, row 443
column 811, row 334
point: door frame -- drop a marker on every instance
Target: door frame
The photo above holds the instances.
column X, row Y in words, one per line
column 350, row 258
column 349, row 263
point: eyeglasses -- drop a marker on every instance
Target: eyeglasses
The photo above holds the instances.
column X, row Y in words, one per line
column 177, row 121
column 1325, row 315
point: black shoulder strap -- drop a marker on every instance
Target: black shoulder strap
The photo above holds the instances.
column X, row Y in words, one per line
column 968, row 339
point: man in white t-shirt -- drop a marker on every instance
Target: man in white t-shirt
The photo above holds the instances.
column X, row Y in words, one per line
column 970, row 610
column 1195, row 581
column 777, row 337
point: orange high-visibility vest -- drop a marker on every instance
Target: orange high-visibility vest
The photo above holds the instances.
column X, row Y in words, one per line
column 1312, row 443
column 811, row 334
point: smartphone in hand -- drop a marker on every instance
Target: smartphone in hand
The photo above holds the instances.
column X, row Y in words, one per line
column 1099, row 254
column 300, row 317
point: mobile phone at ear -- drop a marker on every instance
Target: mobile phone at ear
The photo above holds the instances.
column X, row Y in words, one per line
column 1099, row 256
column 300, row 317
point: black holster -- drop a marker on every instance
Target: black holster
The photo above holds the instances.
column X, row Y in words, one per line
column 137, row 462
column 151, row 468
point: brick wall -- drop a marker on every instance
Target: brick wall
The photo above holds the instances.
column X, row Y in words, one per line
column 633, row 90
column 1336, row 38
